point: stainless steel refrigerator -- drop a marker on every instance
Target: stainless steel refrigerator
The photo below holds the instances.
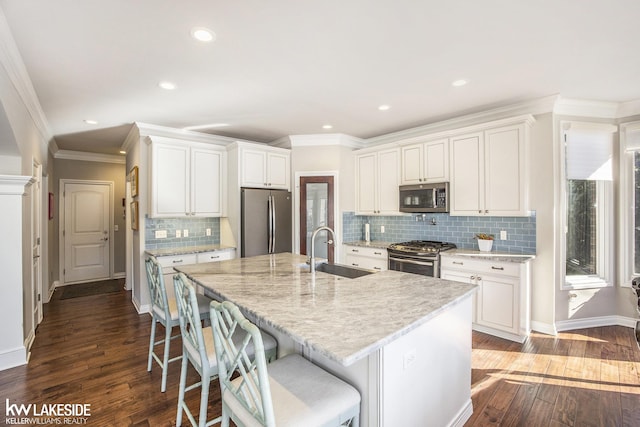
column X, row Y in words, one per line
column 266, row 221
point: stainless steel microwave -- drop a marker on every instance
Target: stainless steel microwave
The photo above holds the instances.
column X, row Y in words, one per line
column 424, row 198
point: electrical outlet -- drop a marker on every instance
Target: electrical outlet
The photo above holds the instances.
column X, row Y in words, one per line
column 185, row 233
column 409, row 358
column 382, row 228
column 178, row 233
column 208, row 232
column 503, row 235
column 161, row 234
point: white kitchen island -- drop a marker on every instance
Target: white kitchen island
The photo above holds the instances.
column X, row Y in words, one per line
column 403, row 340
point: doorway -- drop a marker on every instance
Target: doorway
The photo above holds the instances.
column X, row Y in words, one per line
column 316, row 210
column 85, row 230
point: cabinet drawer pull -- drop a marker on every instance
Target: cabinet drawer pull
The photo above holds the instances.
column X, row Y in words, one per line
column 176, row 261
column 457, row 262
column 377, row 268
column 497, row 268
column 214, row 257
column 377, row 253
column 354, row 264
column 354, row 250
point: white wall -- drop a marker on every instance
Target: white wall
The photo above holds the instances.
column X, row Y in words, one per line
column 322, row 158
column 542, row 201
column 25, row 135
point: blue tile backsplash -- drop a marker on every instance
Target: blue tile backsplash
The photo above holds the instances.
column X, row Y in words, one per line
column 521, row 231
column 197, row 232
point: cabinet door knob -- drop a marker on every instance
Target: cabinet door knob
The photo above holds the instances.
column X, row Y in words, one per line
column 486, row 211
column 472, row 277
column 479, row 278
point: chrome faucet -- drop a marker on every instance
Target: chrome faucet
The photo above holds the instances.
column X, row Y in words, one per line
column 312, row 260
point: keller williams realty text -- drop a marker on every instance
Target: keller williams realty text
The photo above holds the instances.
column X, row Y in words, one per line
column 47, row 413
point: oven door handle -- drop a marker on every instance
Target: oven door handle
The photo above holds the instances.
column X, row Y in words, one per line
column 428, row 264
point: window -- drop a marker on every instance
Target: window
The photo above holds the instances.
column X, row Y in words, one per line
column 630, row 202
column 588, row 205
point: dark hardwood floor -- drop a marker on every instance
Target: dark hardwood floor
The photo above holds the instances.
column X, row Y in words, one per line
column 94, row 350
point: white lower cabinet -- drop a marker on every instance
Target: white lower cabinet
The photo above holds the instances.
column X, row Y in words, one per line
column 366, row 257
column 170, row 261
column 502, row 300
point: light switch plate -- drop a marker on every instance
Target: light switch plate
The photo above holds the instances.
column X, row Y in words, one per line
column 208, row 232
column 161, row 234
column 178, row 233
column 185, row 233
column 503, row 235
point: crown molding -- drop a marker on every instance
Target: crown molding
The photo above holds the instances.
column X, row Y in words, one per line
column 89, row 157
column 14, row 184
column 586, row 108
column 531, row 107
column 13, row 64
column 146, row 129
column 628, row 109
column 325, row 140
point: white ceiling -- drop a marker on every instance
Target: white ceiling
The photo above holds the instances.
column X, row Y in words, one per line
column 288, row 67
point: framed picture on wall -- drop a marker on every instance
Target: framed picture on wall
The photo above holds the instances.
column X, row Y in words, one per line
column 133, row 177
column 50, row 205
column 134, row 215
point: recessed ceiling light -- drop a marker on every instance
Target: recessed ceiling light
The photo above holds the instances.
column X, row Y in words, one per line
column 167, row 85
column 383, row 107
column 123, row 152
column 327, row 127
column 203, row 34
column 91, row 122
column 460, row 82
column 209, row 126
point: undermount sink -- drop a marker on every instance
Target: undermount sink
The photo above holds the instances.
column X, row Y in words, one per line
column 343, row 270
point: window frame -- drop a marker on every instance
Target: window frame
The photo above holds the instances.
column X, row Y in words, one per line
column 605, row 222
column 627, row 202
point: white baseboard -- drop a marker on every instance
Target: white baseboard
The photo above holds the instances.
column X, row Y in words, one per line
column 544, row 328
column 141, row 309
column 12, row 358
column 596, row 322
column 52, row 289
column 464, row 414
column 121, row 275
column 28, row 341
column 499, row 334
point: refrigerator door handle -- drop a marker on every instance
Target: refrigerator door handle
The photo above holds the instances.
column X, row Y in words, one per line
column 270, row 226
column 273, row 226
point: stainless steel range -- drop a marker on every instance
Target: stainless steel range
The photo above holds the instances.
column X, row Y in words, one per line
column 417, row 256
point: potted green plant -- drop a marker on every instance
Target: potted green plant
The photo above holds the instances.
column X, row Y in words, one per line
column 485, row 241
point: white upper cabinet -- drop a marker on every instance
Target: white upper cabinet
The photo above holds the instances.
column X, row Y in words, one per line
column 186, row 179
column 377, row 180
column 426, row 162
column 488, row 175
column 265, row 168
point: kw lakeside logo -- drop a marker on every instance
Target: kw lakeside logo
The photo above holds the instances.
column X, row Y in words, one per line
column 47, row 413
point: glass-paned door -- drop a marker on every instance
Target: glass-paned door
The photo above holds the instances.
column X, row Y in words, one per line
column 316, row 210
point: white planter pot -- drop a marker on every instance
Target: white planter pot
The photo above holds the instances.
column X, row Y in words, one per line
column 485, row 245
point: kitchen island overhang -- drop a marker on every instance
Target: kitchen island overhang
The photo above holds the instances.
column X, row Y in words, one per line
column 382, row 332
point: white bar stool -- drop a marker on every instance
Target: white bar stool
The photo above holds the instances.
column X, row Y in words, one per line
column 164, row 310
column 198, row 348
column 288, row 392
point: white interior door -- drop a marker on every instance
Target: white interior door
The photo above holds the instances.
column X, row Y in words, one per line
column 86, row 232
column 36, row 265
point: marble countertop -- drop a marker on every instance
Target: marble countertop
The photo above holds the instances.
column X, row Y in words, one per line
column 378, row 244
column 344, row 319
column 492, row 256
column 187, row 250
